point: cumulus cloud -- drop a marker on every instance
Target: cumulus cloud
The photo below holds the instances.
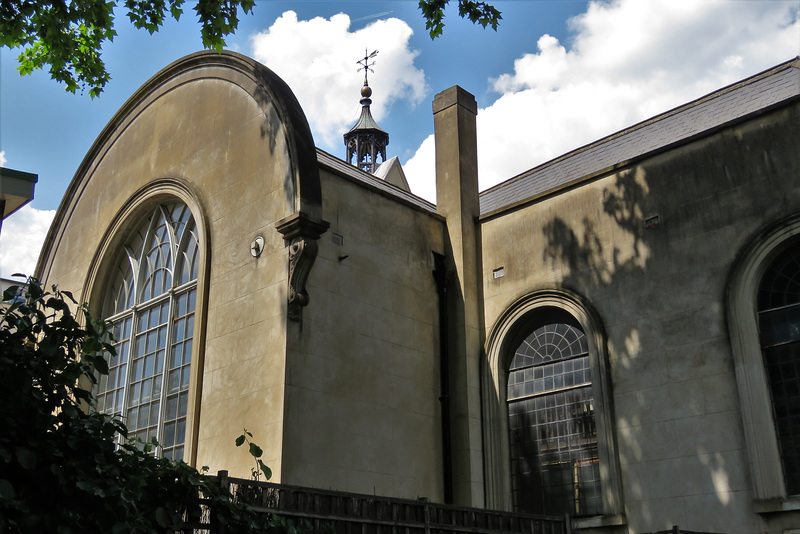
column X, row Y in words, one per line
column 3, row 158
column 629, row 60
column 311, row 55
column 21, row 240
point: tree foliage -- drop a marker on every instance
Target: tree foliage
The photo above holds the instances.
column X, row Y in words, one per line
column 477, row 12
column 69, row 469
column 67, row 36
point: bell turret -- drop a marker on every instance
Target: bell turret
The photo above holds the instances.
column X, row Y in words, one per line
column 366, row 141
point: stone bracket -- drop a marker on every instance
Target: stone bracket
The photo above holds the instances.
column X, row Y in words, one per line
column 300, row 234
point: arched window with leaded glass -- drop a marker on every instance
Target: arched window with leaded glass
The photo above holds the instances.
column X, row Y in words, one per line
column 779, row 326
column 151, row 303
column 552, row 433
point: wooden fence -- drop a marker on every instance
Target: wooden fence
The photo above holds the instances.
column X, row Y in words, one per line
column 350, row 513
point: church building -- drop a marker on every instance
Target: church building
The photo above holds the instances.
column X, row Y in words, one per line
column 613, row 335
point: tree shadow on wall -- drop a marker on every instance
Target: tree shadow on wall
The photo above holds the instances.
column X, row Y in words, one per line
column 283, row 116
column 622, row 259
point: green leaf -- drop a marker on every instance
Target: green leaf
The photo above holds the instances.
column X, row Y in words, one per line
column 266, row 470
column 91, row 344
column 240, row 441
column 255, row 450
column 11, row 293
column 7, row 490
column 162, row 517
column 100, row 364
column 26, row 458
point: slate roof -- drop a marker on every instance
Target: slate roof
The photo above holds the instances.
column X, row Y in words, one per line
column 366, row 122
column 357, row 175
column 754, row 94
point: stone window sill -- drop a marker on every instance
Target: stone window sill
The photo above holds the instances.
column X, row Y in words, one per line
column 598, row 521
column 777, row 505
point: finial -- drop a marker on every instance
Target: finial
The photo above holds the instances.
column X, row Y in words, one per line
column 366, row 65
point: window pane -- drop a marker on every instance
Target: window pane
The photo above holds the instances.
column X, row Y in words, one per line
column 157, row 261
column 780, row 326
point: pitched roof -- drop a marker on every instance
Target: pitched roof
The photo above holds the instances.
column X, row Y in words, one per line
column 391, row 171
column 751, row 95
column 366, row 122
column 355, row 174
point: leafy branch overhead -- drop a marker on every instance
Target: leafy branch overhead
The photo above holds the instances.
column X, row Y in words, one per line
column 477, row 12
column 66, row 37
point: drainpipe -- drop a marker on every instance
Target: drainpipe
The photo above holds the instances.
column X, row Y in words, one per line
column 440, row 276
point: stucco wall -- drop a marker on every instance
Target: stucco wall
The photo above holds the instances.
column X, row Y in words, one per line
column 213, row 136
column 660, row 294
column 362, row 409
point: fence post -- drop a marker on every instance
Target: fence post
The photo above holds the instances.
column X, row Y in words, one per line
column 222, row 477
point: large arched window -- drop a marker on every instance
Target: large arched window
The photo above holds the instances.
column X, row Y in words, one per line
column 151, row 302
column 764, row 325
column 548, row 418
column 552, row 431
column 779, row 326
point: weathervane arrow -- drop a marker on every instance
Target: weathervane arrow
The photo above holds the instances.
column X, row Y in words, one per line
column 365, row 63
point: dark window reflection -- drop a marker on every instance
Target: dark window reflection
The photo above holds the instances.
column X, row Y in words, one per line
column 553, row 438
column 779, row 324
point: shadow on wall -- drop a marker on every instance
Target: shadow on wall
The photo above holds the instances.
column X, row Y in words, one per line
column 676, row 443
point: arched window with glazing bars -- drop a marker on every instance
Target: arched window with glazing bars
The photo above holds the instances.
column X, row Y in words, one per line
column 779, row 326
column 151, row 303
column 552, row 433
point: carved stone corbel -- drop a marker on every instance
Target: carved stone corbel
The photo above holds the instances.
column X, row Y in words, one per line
column 300, row 234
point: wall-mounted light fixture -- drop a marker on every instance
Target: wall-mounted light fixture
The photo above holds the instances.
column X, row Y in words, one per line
column 257, row 246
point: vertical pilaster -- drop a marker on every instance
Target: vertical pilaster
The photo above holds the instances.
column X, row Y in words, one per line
column 454, row 112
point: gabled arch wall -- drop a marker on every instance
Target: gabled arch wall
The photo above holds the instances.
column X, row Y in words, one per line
column 225, row 135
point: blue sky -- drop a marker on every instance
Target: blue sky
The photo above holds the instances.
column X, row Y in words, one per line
column 555, row 76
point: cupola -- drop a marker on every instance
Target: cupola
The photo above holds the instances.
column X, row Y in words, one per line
column 366, row 141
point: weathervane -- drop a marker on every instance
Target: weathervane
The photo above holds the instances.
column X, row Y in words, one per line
column 365, row 63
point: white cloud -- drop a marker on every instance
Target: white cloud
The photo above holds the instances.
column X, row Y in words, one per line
column 21, row 240
column 311, row 55
column 419, row 170
column 629, row 61
column 3, row 158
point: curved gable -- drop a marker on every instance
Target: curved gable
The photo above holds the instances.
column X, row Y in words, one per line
column 222, row 124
